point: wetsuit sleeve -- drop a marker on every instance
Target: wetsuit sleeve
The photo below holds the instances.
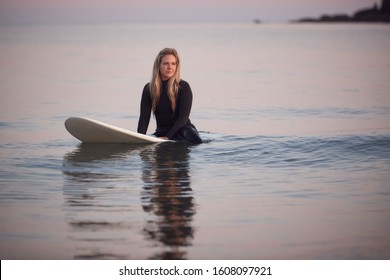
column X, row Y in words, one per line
column 145, row 110
column 184, row 109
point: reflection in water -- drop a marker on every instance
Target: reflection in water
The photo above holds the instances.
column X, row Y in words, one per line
column 95, row 201
column 101, row 183
column 93, row 152
column 168, row 196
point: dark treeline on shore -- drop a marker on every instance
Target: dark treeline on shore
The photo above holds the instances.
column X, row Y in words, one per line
column 374, row 14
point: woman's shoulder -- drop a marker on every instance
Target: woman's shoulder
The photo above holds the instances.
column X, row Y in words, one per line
column 147, row 88
column 146, row 91
column 185, row 89
column 184, row 86
column 184, row 83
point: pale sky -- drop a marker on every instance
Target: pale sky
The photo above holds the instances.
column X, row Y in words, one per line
column 68, row 11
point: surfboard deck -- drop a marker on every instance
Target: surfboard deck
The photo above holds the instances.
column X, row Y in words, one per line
column 92, row 131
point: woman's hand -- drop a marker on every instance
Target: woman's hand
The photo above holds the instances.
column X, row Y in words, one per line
column 164, row 137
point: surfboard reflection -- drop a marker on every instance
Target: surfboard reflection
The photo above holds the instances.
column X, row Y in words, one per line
column 101, row 193
column 96, row 193
column 92, row 152
column 168, row 196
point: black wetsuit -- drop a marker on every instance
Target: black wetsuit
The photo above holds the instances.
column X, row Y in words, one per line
column 174, row 125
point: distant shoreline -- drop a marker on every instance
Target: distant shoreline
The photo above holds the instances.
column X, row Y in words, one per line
column 344, row 18
column 374, row 14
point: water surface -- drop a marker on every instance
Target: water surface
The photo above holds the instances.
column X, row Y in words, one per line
column 295, row 163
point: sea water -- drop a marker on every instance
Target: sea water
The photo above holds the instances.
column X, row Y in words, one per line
column 295, row 164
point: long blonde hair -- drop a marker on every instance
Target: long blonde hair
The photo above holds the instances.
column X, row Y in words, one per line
column 173, row 82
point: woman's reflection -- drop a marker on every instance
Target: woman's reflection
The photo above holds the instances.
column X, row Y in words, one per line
column 168, row 196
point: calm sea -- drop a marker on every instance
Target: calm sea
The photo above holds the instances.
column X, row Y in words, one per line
column 295, row 164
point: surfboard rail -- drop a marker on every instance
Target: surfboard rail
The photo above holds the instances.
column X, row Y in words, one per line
column 88, row 130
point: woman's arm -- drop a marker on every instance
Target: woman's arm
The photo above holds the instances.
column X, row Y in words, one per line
column 184, row 108
column 145, row 110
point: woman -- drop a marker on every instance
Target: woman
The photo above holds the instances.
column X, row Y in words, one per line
column 170, row 100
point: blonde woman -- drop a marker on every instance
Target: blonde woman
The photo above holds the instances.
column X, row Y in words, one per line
column 170, row 100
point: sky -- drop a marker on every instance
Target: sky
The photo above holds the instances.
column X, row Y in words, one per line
column 86, row 11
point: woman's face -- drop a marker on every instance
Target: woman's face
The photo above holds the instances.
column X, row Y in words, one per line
column 167, row 67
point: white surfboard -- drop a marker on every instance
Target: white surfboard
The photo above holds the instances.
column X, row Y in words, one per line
column 92, row 131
